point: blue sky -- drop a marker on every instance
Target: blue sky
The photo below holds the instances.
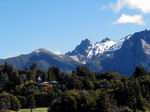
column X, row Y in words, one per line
column 59, row 25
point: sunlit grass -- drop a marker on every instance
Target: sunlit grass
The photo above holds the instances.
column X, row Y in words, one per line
column 33, row 110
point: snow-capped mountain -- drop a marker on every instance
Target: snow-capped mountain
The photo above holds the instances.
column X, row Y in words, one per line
column 86, row 49
column 134, row 51
column 120, row 56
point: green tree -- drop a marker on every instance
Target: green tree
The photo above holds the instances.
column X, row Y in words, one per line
column 31, row 102
column 139, row 71
column 9, row 102
column 82, row 71
column 51, row 75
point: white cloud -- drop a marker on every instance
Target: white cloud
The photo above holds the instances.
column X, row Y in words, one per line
column 141, row 5
column 130, row 19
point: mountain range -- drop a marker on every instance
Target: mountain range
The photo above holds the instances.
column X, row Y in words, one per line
column 120, row 56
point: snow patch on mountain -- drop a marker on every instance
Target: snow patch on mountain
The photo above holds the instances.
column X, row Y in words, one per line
column 75, row 58
column 100, row 47
column 146, row 47
column 119, row 43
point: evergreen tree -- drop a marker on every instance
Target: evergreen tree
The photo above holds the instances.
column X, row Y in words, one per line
column 139, row 71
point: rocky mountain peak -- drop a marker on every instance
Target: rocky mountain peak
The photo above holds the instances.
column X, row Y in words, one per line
column 81, row 49
column 86, row 42
column 105, row 40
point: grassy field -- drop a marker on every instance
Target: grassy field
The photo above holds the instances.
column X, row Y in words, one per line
column 34, row 110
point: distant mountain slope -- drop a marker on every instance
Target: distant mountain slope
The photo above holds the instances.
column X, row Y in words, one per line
column 135, row 51
column 43, row 58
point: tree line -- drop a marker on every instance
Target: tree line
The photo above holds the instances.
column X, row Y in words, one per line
column 79, row 91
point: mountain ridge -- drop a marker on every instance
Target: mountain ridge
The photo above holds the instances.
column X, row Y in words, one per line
column 43, row 58
column 120, row 56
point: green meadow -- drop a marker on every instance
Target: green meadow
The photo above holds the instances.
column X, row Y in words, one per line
column 33, row 110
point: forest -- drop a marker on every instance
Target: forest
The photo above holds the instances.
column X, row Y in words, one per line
column 79, row 91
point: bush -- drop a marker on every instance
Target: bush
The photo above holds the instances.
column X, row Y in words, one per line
column 9, row 101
